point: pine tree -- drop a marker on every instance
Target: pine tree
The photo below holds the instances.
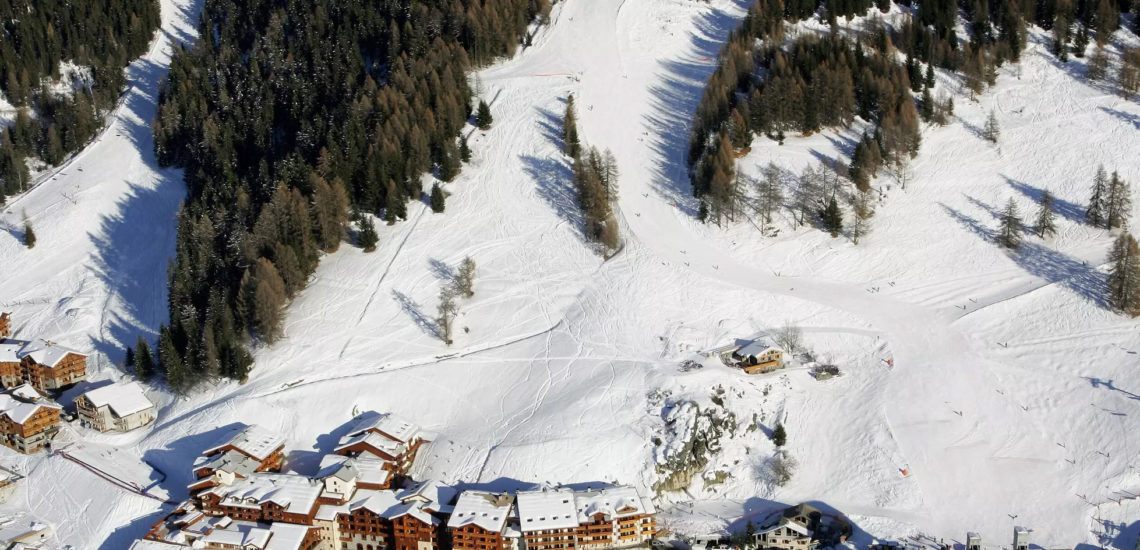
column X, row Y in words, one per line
column 1119, row 203
column 863, row 209
column 779, row 435
column 1080, row 41
column 1098, row 64
column 769, row 194
column 447, row 309
column 929, row 80
column 1044, row 225
column 176, row 375
column 464, row 150
column 991, row 131
column 1098, row 203
column 143, row 360
column 437, row 198
column 29, row 235
column 483, row 118
column 1010, row 226
column 367, row 238
column 449, row 161
column 465, row 278
column 832, row 218
column 570, row 143
column 926, row 105
column 1124, row 276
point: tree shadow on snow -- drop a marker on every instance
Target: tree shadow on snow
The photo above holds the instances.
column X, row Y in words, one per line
column 1126, row 117
column 674, row 99
column 124, row 535
column 1068, row 210
column 440, row 270
column 177, row 458
column 1038, row 260
column 410, row 307
column 551, row 126
column 554, row 179
column 132, row 251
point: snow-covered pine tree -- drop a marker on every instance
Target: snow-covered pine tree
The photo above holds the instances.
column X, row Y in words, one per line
column 1119, row 202
column 143, row 360
column 1124, row 275
column 464, row 150
column 1096, row 211
column 29, row 235
column 1010, row 226
column 1044, row 224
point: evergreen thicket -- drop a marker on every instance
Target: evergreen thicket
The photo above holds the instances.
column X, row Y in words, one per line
column 595, row 178
column 99, row 36
column 284, row 115
column 1124, row 276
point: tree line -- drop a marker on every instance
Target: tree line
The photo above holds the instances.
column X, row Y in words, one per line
column 100, row 37
column 288, row 115
column 595, row 180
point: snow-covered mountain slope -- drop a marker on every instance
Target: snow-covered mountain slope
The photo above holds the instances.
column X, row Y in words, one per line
column 565, row 367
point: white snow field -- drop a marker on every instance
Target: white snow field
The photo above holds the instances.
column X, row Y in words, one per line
column 1010, row 397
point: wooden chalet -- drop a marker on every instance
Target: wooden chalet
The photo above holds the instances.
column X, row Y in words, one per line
column 752, row 356
column 385, row 436
column 49, row 367
column 264, row 496
column 479, row 521
column 251, row 450
column 28, row 420
column 5, row 325
column 11, row 367
column 614, row 517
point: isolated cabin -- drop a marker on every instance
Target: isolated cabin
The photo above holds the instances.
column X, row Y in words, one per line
column 119, row 407
column 758, row 357
column 479, row 521
column 28, row 420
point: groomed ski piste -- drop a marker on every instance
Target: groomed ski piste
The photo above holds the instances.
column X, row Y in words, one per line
column 999, row 382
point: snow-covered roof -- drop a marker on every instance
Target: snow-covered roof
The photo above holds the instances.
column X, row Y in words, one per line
column 287, row 536
column 23, row 401
column 46, row 352
column 242, row 536
column 365, row 469
column 147, row 544
column 10, row 350
column 254, row 441
column 390, row 425
column 124, row 399
column 488, row 511
column 755, row 347
column 20, row 528
column 612, row 502
column 547, row 509
column 230, row 461
column 294, row 493
column 434, row 495
column 376, row 441
column 790, row 524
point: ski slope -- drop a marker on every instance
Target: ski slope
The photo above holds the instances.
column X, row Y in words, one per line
column 1010, row 391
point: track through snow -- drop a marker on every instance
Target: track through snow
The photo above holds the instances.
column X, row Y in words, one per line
column 561, row 360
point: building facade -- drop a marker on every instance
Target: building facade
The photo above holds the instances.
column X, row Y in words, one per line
column 119, row 407
column 28, row 420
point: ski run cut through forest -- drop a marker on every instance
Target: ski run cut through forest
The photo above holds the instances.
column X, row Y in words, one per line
column 728, row 298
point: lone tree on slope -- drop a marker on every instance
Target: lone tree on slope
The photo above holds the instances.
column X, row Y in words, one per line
column 991, row 131
column 465, row 278
column 29, row 235
column 483, row 118
column 1010, row 226
column 779, row 435
column 447, row 310
column 1124, row 276
column 1043, row 223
